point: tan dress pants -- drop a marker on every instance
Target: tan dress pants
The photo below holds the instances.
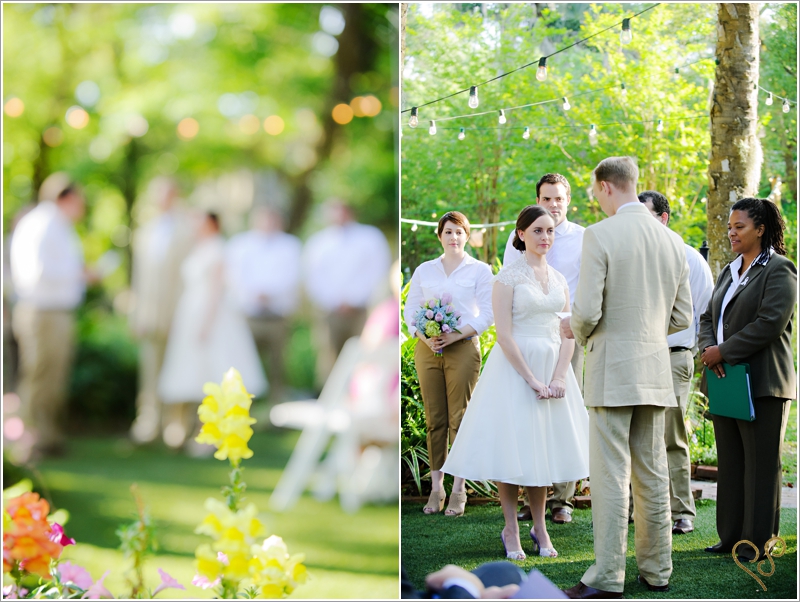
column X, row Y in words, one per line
column 46, row 349
column 626, row 448
column 331, row 333
column 681, row 501
column 269, row 334
column 446, row 382
column 147, row 426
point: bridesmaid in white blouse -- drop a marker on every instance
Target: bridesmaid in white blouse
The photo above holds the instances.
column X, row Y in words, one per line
column 447, row 380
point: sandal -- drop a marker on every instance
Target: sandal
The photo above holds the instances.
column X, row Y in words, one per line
column 538, row 549
column 435, row 502
column 455, row 507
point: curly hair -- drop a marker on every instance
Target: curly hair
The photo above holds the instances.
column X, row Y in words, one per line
column 765, row 213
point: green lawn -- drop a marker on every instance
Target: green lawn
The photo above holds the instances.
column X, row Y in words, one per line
column 348, row 556
column 429, row 542
column 789, row 459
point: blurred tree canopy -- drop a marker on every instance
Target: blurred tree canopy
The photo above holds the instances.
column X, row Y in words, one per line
column 667, row 71
column 116, row 94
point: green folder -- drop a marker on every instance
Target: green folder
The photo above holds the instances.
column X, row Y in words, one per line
column 731, row 396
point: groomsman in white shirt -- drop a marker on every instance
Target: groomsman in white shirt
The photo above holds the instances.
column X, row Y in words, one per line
column 682, row 347
column 343, row 266
column 49, row 278
column 263, row 271
column 553, row 193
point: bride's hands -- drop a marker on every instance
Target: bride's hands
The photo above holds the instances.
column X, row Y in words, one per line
column 558, row 388
column 542, row 390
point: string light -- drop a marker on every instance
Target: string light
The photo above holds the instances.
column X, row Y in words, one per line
column 414, row 227
column 461, row 134
column 625, row 36
column 527, row 133
column 473, row 97
column 566, row 106
column 624, row 93
column 541, row 71
column 786, row 106
column 660, row 126
column 432, row 129
column 769, row 99
column 592, row 135
column 502, row 118
column 413, row 121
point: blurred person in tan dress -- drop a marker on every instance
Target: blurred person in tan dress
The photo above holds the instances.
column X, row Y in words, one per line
column 159, row 248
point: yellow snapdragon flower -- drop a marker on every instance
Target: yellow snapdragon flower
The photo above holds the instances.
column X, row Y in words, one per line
column 225, row 414
column 273, row 571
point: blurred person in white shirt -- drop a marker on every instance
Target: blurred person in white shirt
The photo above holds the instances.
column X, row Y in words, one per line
column 263, row 271
column 49, row 279
column 343, row 266
column 159, row 247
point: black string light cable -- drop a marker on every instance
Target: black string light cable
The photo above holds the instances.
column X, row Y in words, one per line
column 541, row 62
column 787, row 103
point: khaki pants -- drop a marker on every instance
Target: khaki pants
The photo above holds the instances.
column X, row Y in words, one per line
column 446, row 382
column 681, row 501
column 330, row 333
column 626, row 447
column 147, row 425
column 269, row 334
column 46, row 348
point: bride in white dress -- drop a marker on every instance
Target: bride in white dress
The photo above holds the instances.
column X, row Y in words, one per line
column 526, row 423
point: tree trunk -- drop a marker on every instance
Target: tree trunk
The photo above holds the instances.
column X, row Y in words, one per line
column 403, row 18
column 734, row 167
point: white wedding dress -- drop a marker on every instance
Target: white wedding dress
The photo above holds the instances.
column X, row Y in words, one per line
column 189, row 363
column 507, row 434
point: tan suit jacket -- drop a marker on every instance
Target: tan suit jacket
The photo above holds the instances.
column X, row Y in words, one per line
column 633, row 290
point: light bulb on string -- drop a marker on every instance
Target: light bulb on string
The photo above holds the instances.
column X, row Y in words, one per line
column 413, row 121
column 565, row 104
column 473, row 97
column 592, row 135
column 625, row 36
column 769, row 99
column 660, row 126
column 786, row 106
column 502, row 119
column 461, row 134
column 541, row 70
column 527, row 133
column 432, row 129
column 414, row 227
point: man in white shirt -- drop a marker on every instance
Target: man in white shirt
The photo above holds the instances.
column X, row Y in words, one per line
column 553, row 193
column 682, row 347
column 263, row 271
column 48, row 273
column 343, row 265
column 159, row 247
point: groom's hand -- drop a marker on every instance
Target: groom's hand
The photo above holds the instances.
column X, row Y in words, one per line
column 566, row 328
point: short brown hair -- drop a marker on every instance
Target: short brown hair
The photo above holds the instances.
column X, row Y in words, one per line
column 526, row 217
column 458, row 218
column 622, row 172
column 552, row 178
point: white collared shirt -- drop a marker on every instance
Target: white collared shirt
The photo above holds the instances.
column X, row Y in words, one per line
column 345, row 265
column 564, row 256
column 736, row 280
column 470, row 284
column 47, row 259
column 701, row 285
column 260, row 263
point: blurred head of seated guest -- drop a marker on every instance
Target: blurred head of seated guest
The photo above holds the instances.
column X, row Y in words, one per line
column 209, row 225
column 71, row 203
column 264, row 218
column 337, row 212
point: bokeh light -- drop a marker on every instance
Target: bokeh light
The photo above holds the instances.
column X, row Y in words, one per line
column 355, row 104
column 370, row 106
column 273, row 125
column 53, row 136
column 14, row 107
column 11, row 403
column 249, row 124
column 331, row 20
column 342, row 114
column 77, row 117
column 188, row 128
column 137, row 125
column 13, row 428
column 88, row 93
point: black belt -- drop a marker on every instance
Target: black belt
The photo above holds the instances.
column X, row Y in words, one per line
column 676, row 349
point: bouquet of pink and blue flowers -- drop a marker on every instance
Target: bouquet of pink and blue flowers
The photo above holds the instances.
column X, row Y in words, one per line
column 437, row 316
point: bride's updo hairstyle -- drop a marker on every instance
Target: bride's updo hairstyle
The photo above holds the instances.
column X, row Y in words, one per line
column 456, row 217
column 526, row 217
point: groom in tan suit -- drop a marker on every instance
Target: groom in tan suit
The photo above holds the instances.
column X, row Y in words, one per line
column 632, row 291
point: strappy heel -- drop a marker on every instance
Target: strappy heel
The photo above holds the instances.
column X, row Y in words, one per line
column 455, row 507
column 435, row 502
column 538, row 549
column 514, row 554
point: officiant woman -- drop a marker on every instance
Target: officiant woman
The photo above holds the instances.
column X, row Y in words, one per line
column 749, row 320
column 448, row 365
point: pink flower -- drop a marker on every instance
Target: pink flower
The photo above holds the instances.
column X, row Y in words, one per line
column 202, row 581
column 439, row 317
column 223, row 558
column 74, row 574
column 429, row 314
column 166, row 582
column 98, row 590
column 446, row 328
column 449, row 309
column 447, row 298
column 10, row 591
column 57, row 535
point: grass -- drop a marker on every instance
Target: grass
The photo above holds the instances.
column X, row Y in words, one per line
column 789, row 458
column 430, row 542
column 348, row 556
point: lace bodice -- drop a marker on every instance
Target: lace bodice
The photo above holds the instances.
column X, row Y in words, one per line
column 533, row 311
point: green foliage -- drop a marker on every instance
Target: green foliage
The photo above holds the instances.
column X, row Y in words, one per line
column 137, row 542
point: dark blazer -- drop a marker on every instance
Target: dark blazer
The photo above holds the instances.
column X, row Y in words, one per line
column 757, row 325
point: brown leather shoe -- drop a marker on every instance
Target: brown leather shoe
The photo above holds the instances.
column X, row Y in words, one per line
column 584, row 592
column 683, row 526
column 561, row 516
column 525, row 513
column 652, row 588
